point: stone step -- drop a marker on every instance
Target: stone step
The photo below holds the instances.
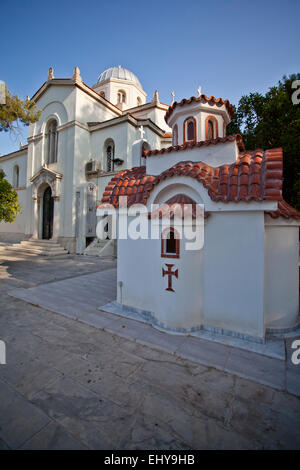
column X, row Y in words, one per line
column 37, row 252
column 38, row 247
column 44, row 246
column 45, row 254
column 39, row 242
column 52, row 251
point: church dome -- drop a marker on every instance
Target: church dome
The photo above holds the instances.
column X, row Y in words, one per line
column 119, row 73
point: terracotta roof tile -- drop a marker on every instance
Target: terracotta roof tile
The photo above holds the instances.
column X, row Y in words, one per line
column 203, row 98
column 284, row 210
column 255, row 176
column 179, row 205
column 202, row 143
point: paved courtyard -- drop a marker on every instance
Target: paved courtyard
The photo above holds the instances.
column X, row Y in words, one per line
column 69, row 385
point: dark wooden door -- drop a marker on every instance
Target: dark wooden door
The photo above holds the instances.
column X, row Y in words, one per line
column 48, row 214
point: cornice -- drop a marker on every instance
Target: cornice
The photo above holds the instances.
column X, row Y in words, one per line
column 79, row 84
column 16, row 153
column 119, row 80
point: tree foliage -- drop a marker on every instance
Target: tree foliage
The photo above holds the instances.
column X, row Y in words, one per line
column 15, row 111
column 270, row 121
column 9, row 207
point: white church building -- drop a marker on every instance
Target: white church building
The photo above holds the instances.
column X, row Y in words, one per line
column 104, row 142
column 83, row 137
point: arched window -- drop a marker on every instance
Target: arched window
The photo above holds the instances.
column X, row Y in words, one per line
column 16, row 173
column 189, row 130
column 145, row 147
column 211, row 128
column 170, row 243
column 110, row 152
column 121, row 96
column 51, row 136
column 175, row 135
column 138, row 101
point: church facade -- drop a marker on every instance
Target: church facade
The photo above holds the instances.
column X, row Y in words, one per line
column 100, row 143
column 83, row 137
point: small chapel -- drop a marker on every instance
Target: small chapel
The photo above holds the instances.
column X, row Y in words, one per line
column 102, row 142
column 244, row 280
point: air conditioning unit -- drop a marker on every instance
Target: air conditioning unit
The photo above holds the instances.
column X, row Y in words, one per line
column 92, row 168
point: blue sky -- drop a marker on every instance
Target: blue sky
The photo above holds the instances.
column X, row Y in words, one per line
column 230, row 48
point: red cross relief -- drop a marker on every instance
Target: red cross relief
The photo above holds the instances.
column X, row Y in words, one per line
column 170, row 273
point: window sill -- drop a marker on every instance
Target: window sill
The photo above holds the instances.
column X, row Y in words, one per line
column 169, row 255
column 109, row 173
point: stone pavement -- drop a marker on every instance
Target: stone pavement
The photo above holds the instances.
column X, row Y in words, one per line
column 79, row 298
column 69, row 385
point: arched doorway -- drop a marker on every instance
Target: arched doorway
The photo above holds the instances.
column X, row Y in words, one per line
column 48, row 205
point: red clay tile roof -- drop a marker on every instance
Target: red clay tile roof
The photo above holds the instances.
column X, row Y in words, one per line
column 167, row 134
column 284, row 210
column 204, row 98
column 255, row 176
column 202, row 143
column 179, row 205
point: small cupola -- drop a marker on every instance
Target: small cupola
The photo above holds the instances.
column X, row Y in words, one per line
column 198, row 118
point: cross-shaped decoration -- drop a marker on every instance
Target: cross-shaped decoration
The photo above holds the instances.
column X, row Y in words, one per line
column 170, row 273
column 173, row 96
column 50, row 74
column 199, row 91
column 141, row 129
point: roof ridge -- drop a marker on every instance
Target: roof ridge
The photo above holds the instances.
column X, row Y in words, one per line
column 200, row 143
column 254, row 176
column 204, row 97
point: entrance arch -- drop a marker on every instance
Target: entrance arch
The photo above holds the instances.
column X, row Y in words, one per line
column 48, row 210
column 46, row 205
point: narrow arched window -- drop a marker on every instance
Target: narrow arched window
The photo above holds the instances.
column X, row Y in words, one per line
column 211, row 128
column 145, row 147
column 170, row 243
column 138, row 101
column 189, row 130
column 16, row 174
column 110, row 156
column 175, row 135
column 52, row 137
column 121, row 96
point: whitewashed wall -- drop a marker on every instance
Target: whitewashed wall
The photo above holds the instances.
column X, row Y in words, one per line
column 156, row 114
column 112, row 88
column 281, row 273
column 233, row 267
column 213, row 155
column 7, row 164
column 140, row 269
